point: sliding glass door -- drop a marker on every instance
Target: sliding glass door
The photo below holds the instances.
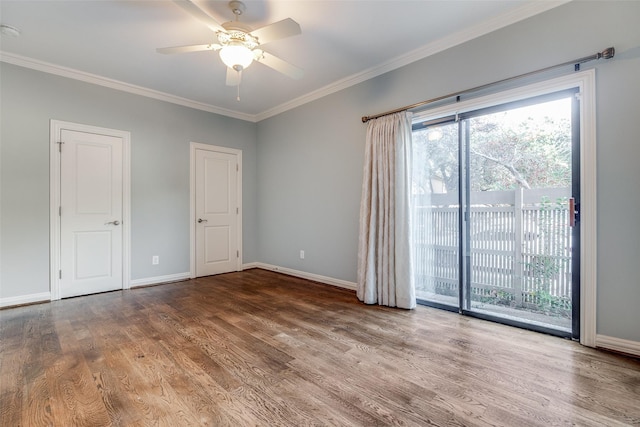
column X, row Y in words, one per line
column 436, row 231
column 492, row 192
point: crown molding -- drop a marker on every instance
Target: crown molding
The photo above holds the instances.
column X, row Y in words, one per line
column 71, row 73
column 523, row 12
column 519, row 14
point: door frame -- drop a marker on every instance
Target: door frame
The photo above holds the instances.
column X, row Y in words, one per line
column 585, row 81
column 56, row 126
column 192, row 200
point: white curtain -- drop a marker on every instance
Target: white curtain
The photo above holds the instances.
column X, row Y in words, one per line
column 384, row 248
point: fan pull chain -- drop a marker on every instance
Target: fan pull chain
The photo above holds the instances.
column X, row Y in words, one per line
column 238, row 87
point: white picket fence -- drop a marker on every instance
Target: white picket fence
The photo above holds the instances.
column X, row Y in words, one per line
column 520, row 246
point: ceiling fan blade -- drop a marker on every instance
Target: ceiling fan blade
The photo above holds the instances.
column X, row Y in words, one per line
column 192, row 9
column 276, row 31
column 282, row 66
column 233, row 77
column 190, row 48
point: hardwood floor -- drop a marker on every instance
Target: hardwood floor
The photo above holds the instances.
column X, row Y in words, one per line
column 260, row 348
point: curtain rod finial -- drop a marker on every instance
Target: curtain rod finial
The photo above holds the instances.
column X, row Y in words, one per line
column 365, row 119
column 608, row 53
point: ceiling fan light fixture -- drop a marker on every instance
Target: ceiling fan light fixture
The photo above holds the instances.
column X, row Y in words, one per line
column 238, row 44
column 236, row 56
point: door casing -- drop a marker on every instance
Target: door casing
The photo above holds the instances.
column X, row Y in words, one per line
column 56, row 127
column 192, row 214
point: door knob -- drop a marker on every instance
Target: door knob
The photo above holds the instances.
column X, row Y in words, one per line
column 200, row 220
column 116, row 222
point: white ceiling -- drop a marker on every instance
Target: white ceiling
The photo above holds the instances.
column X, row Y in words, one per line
column 342, row 43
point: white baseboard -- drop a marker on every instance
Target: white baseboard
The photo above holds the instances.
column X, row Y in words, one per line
column 304, row 275
column 160, row 279
column 618, row 344
column 251, row 265
column 25, row 299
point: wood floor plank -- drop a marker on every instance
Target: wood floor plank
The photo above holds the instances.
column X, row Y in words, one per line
column 37, row 394
column 11, row 387
column 13, row 353
column 258, row 348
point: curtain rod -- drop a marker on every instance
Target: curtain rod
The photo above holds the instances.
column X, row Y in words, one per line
column 605, row 54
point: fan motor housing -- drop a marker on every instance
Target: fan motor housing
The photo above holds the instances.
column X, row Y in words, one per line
column 236, row 26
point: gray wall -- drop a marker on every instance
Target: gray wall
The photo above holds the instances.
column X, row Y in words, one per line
column 160, row 137
column 310, row 159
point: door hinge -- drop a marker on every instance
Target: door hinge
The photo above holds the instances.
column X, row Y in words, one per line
column 237, row 254
column 237, row 167
column 60, row 146
column 237, row 211
column 59, row 210
column 59, row 274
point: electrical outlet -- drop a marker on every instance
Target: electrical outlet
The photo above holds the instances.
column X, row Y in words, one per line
column 155, row 260
column 301, row 254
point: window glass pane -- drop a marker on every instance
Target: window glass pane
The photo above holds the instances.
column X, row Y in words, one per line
column 520, row 240
column 435, row 199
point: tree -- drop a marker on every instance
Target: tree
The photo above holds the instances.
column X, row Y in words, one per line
column 531, row 153
column 435, row 159
column 528, row 147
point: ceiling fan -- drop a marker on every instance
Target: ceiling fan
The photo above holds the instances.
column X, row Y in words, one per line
column 238, row 44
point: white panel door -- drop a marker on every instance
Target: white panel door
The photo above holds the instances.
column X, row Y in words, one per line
column 216, row 209
column 91, row 238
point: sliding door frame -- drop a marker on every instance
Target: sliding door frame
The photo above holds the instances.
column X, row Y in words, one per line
column 584, row 82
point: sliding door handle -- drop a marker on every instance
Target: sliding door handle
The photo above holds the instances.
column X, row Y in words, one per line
column 574, row 212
